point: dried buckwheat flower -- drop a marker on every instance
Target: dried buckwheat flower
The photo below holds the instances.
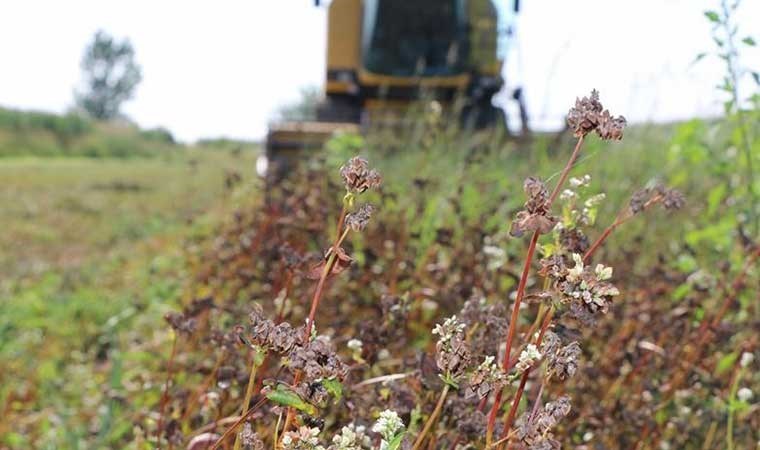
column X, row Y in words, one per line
column 487, row 377
column 358, row 177
column 249, row 438
column 583, row 118
column 452, row 353
column 536, row 215
column 357, row 221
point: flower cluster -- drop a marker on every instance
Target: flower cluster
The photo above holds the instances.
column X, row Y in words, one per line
column 317, row 360
column 589, row 115
column 561, row 361
column 263, row 332
column 305, row 438
column 536, row 215
column 487, row 321
column 388, row 425
column 487, row 377
column 528, row 357
column 180, row 322
column 535, row 432
column 452, row 352
column 670, row 199
column 249, row 438
column 358, row 177
column 358, row 220
column 351, row 437
column 586, row 290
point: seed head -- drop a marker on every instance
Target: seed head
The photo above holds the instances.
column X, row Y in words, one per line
column 357, row 221
column 536, row 215
column 589, row 115
column 358, row 177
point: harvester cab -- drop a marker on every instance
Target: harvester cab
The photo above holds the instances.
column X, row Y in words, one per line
column 382, row 55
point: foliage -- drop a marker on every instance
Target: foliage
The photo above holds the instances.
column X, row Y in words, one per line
column 110, row 76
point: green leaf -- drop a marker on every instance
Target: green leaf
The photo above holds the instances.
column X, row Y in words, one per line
column 395, row 443
column 749, row 41
column 283, row 395
column 681, row 291
column 712, row 16
column 334, row 388
column 725, row 363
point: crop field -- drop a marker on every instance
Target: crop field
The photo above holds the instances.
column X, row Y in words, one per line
column 167, row 299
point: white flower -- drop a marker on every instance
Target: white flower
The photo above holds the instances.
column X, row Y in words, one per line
column 603, row 273
column 594, row 201
column 745, row 394
column 527, row 358
column 351, row 437
column 305, row 438
column 575, row 273
column 450, row 328
column 567, row 194
column 388, row 424
column 355, row 345
column 747, row 359
column 582, row 181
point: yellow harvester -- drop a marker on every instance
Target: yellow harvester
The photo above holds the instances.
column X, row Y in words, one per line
column 384, row 54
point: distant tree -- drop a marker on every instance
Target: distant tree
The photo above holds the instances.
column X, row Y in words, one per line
column 304, row 108
column 110, row 76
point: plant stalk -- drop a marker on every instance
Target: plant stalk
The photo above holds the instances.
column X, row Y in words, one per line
column 433, row 417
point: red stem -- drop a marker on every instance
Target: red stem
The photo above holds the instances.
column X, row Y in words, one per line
column 524, row 282
column 165, row 395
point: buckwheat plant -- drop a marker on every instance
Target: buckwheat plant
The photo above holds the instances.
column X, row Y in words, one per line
column 570, row 282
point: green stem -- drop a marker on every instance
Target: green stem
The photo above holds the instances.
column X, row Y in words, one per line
column 731, row 400
column 257, row 359
column 433, row 417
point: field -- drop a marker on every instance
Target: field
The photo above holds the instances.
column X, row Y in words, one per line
column 98, row 248
column 86, row 244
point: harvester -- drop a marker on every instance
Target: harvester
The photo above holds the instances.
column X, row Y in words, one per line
column 382, row 55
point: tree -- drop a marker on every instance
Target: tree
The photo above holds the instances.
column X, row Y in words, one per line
column 110, row 76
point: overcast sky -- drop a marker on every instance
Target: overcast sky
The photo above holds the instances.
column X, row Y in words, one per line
column 223, row 68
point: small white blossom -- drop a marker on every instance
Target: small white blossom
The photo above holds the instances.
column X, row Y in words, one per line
column 591, row 202
column 745, row 394
column 448, row 330
column 351, row 437
column 747, row 359
column 582, row 181
column 567, row 194
column 305, row 438
column 388, row 424
column 576, row 272
column 602, row 272
column 355, row 345
column 527, row 358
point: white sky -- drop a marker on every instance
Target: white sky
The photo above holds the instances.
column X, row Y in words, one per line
column 223, row 68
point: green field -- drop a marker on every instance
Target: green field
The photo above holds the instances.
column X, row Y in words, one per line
column 86, row 244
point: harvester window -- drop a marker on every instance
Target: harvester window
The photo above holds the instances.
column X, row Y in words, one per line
column 419, row 38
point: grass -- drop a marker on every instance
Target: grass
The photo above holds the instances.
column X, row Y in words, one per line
column 88, row 245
